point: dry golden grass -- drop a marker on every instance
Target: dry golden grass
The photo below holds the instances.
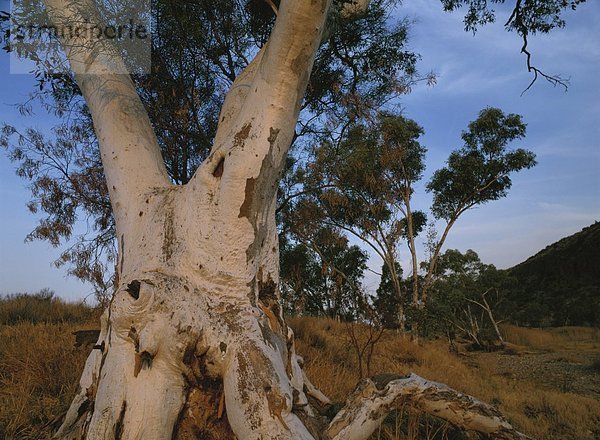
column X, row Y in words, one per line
column 41, row 309
column 39, row 366
column 558, row 338
column 541, row 413
column 39, row 370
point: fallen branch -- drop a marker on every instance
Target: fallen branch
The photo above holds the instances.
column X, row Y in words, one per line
column 373, row 399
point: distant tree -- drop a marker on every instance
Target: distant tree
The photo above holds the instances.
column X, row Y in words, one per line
column 363, row 185
column 321, row 275
column 477, row 173
column 386, row 300
column 466, row 296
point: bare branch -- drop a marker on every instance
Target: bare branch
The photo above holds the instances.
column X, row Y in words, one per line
column 516, row 20
column 272, row 6
column 290, row 197
column 374, row 398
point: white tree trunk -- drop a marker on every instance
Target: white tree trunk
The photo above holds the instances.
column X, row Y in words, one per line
column 194, row 343
column 194, row 340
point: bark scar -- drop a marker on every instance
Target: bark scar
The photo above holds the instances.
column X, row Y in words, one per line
column 169, row 237
column 246, row 208
column 133, row 289
column 122, row 251
column 218, row 172
column 119, row 424
column 277, row 404
column 143, row 360
column 273, row 133
column 242, row 135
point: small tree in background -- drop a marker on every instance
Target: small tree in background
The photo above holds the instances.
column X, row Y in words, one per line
column 465, row 299
column 363, row 185
column 477, row 173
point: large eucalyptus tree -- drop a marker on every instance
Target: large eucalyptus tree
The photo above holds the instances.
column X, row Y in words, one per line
column 194, row 343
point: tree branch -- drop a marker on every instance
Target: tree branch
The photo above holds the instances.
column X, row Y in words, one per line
column 258, row 123
column 236, row 97
column 374, row 398
column 266, row 99
column 130, row 153
column 290, row 197
column 433, row 262
column 516, row 21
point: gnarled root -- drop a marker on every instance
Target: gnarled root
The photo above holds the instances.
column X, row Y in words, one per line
column 375, row 398
column 170, row 366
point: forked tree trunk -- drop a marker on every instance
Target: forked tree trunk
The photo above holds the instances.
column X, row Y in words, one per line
column 194, row 343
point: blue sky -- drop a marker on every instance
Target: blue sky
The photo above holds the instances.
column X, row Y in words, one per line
column 558, row 197
column 561, row 194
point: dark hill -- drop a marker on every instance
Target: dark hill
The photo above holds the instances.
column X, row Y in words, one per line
column 560, row 285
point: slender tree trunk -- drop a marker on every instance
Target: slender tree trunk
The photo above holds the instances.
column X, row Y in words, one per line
column 417, row 303
column 391, row 263
column 433, row 263
column 486, row 307
column 413, row 250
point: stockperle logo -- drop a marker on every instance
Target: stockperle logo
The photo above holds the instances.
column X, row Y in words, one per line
column 99, row 36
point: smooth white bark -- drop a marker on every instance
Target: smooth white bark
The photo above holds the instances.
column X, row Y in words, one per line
column 130, row 154
column 198, row 264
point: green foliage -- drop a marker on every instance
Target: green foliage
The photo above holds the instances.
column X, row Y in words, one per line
column 479, row 172
column 463, row 288
column 321, row 275
column 386, row 301
column 67, row 178
column 536, row 16
column 361, row 63
column 356, row 178
column 361, row 183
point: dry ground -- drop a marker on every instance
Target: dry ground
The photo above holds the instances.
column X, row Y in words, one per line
column 546, row 382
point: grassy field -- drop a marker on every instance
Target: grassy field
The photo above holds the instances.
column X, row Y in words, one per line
column 39, row 365
column 540, row 409
column 533, row 382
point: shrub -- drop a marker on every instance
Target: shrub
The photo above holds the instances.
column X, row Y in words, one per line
column 41, row 307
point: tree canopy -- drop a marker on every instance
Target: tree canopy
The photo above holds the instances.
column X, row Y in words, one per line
column 355, row 158
column 362, row 185
column 198, row 49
